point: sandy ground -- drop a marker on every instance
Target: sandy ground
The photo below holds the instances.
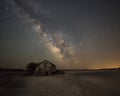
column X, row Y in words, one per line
column 70, row 84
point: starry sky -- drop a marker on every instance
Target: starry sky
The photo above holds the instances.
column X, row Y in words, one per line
column 79, row 34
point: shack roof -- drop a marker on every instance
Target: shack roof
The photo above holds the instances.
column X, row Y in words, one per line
column 46, row 62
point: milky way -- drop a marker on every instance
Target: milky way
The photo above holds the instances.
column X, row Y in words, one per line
column 55, row 41
column 70, row 33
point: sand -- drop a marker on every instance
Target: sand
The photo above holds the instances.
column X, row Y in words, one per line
column 70, row 84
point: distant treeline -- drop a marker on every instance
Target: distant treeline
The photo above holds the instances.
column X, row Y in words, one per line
column 11, row 69
column 89, row 69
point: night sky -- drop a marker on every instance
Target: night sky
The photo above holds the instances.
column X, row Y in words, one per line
column 77, row 34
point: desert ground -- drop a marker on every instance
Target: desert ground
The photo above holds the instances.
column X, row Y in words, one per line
column 73, row 83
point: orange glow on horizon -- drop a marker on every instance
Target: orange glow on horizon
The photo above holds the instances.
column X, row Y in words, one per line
column 106, row 66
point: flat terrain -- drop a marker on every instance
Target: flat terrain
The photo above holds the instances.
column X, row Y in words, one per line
column 73, row 83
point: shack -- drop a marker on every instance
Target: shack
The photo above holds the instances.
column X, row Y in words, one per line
column 45, row 68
